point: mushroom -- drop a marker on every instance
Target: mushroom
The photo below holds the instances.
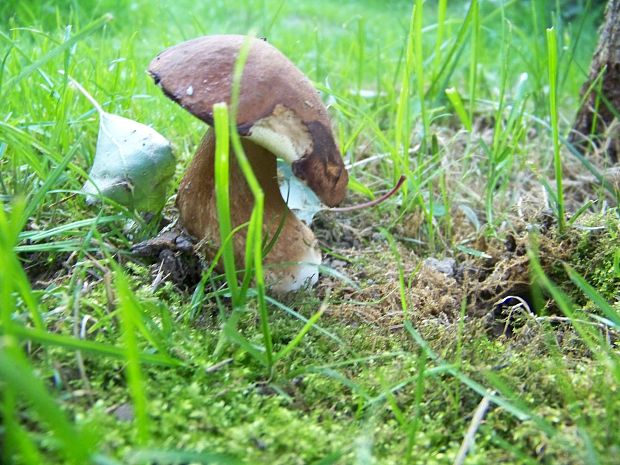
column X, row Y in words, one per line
column 279, row 114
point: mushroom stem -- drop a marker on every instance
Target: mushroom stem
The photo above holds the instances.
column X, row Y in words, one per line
column 294, row 258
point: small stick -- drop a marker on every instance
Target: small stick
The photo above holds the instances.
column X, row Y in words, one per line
column 371, row 203
column 158, row 278
column 218, row 365
column 468, row 440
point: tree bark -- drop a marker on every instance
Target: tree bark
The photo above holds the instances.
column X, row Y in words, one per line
column 596, row 116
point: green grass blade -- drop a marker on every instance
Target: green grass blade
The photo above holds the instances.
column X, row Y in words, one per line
column 607, row 309
column 222, row 194
column 300, row 317
column 402, row 123
column 518, row 412
column 330, row 459
column 457, row 103
column 12, row 275
column 130, row 311
column 441, row 27
column 590, row 337
column 55, row 52
column 300, row 335
column 235, row 336
column 17, row 441
column 16, row 372
column 449, row 60
column 171, row 457
column 256, row 222
column 473, row 61
column 35, row 201
column 36, row 236
column 95, row 348
column 418, row 39
column 552, row 57
column 401, row 272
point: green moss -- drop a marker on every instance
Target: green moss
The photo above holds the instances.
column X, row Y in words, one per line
column 595, row 254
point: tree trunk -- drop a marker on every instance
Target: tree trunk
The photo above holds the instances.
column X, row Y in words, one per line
column 596, row 116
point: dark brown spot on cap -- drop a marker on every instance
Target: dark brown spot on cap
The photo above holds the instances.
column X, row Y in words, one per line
column 323, row 169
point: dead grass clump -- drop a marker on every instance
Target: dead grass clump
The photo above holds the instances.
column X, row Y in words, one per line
column 435, row 294
column 495, row 287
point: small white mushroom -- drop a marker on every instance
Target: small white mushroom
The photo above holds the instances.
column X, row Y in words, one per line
column 279, row 114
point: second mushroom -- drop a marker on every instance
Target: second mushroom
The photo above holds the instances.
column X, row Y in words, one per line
column 279, row 114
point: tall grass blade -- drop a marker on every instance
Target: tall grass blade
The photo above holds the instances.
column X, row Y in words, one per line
column 591, row 338
column 16, row 372
column 418, row 40
column 17, row 441
column 12, row 275
column 255, row 239
column 455, row 99
column 330, row 459
column 300, row 335
column 552, row 57
column 172, row 457
column 450, row 59
column 401, row 272
column 53, row 53
column 473, row 61
column 50, row 179
column 607, row 309
column 130, row 311
column 302, row 318
column 441, row 27
column 402, row 123
column 235, row 336
column 222, row 195
column 96, row 348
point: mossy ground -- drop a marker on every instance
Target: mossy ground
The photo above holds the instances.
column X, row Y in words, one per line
column 358, row 389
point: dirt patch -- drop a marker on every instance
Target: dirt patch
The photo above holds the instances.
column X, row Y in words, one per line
column 172, row 257
column 43, row 268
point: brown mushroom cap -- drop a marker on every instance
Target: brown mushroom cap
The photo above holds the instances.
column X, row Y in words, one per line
column 198, row 73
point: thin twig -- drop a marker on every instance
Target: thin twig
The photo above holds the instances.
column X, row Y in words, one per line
column 470, row 436
column 522, row 303
column 365, row 161
column 371, row 203
column 213, row 368
column 564, row 319
column 159, row 277
column 83, row 325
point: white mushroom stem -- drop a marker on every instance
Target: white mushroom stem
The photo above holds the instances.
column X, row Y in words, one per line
column 294, row 258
